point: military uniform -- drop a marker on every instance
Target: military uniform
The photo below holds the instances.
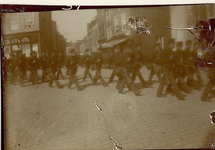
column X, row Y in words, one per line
column 156, row 68
column 86, row 62
column 180, row 71
column 126, row 71
column 12, row 67
column 169, row 65
column 34, row 66
column 52, row 66
column 137, row 64
column 44, row 66
column 60, row 65
column 189, row 66
column 71, row 64
column 21, row 66
column 96, row 60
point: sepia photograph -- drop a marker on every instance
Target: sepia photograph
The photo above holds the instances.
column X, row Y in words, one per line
column 108, row 77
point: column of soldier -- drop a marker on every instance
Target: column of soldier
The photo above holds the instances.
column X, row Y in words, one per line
column 174, row 69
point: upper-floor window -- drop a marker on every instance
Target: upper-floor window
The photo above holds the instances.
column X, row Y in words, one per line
column 110, row 31
column 29, row 20
column 108, row 36
column 14, row 22
column 116, row 23
column 123, row 17
column 108, row 16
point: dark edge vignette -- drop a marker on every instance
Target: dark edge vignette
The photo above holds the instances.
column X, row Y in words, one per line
column 37, row 8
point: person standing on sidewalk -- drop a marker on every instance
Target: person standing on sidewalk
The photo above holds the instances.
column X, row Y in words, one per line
column 71, row 65
column 52, row 67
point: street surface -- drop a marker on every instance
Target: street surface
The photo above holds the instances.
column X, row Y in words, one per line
column 38, row 117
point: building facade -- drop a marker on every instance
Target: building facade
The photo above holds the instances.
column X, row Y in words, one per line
column 30, row 31
column 113, row 29
column 187, row 16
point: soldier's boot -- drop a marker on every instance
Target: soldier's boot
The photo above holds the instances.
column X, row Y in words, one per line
column 134, row 89
column 50, row 82
column 133, row 76
column 103, row 82
column 169, row 89
column 85, row 75
column 178, row 92
column 122, row 86
column 193, row 84
column 160, row 90
column 144, row 84
column 149, row 82
column 91, row 78
column 58, row 84
column 111, row 77
column 79, row 88
column 185, row 88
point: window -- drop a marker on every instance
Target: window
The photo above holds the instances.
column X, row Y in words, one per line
column 29, row 20
column 116, row 24
column 35, row 48
column 123, row 17
column 16, row 47
column 110, row 31
column 7, row 51
column 14, row 24
column 25, row 40
column 108, row 16
column 26, row 49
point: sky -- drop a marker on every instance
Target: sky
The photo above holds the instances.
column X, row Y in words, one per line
column 72, row 24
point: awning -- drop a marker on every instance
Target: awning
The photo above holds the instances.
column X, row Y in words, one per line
column 112, row 43
column 105, row 45
column 117, row 41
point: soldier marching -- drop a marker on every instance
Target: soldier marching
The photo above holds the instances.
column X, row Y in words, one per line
column 174, row 69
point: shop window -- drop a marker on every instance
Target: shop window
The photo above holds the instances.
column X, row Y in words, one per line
column 26, row 49
column 25, row 40
column 35, row 48
column 7, row 51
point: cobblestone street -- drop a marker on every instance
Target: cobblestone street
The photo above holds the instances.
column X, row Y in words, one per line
column 38, row 117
